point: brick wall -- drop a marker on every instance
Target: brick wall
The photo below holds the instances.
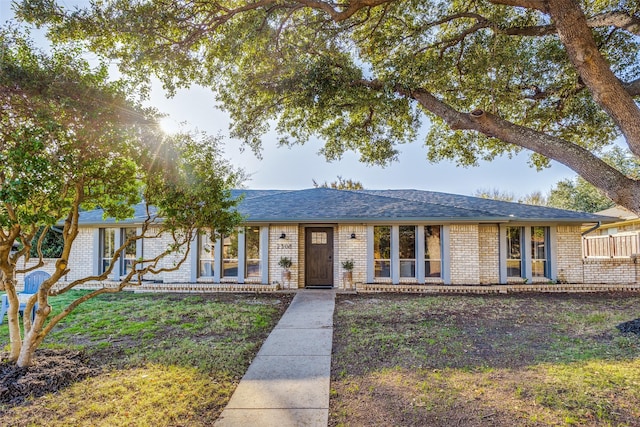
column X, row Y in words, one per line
column 288, row 247
column 355, row 249
column 489, row 253
column 616, row 270
column 464, row 254
column 569, row 254
column 183, row 274
column 473, row 254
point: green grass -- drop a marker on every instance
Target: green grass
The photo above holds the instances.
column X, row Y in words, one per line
column 167, row 359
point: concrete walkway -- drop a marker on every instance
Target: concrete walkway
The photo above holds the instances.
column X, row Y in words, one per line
column 287, row 383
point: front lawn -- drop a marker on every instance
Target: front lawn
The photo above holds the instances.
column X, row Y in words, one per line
column 146, row 359
column 451, row 360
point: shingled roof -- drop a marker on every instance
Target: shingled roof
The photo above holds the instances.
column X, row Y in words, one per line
column 326, row 205
column 329, row 205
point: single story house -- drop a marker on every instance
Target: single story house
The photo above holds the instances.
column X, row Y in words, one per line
column 626, row 221
column 392, row 236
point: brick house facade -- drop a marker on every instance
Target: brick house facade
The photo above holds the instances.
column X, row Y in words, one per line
column 392, row 236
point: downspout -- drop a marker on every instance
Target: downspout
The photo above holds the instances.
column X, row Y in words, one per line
column 594, row 228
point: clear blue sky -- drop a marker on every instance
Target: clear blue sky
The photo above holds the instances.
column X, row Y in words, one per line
column 296, row 167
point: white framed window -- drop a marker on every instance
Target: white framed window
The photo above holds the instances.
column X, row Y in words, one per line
column 539, row 251
column 107, row 248
column 432, row 251
column 407, row 249
column 406, row 253
column 514, row 251
column 206, row 256
column 253, row 266
column 382, row 251
column 230, row 255
column 130, row 251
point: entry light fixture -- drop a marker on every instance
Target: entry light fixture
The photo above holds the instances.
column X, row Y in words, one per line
column 283, row 236
column 353, row 235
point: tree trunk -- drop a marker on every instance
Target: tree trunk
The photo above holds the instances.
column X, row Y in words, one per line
column 14, row 320
column 607, row 90
column 25, row 358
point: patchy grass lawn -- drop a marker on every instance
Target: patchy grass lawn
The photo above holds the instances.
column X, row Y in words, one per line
column 516, row 360
column 158, row 359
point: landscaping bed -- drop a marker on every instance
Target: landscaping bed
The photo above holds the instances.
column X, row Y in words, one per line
column 494, row 360
column 139, row 359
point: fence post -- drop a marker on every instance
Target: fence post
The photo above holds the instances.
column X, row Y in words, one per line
column 612, row 247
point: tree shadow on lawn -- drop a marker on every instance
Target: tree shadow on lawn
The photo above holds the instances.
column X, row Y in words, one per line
column 141, row 359
column 534, row 359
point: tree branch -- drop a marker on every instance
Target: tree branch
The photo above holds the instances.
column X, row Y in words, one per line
column 633, row 87
column 347, row 12
column 594, row 70
column 617, row 186
column 527, row 4
column 618, row 19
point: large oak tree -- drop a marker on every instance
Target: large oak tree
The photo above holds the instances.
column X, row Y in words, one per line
column 72, row 140
column 559, row 78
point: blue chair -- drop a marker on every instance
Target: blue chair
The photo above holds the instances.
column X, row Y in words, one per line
column 32, row 283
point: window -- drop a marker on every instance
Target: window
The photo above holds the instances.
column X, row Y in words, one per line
column 230, row 256
column 407, row 251
column 432, row 251
column 514, row 254
column 108, row 247
column 129, row 254
column 539, row 251
column 382, row 250
column 318, row 238
column 252, row 251
column 205, row 256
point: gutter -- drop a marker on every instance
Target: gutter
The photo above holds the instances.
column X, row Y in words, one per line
column 594, row 228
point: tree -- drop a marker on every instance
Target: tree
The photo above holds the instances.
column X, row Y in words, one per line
column 577, row 194
column 340, row 184
column 533, row 198
column 70, row 139
column 51, row 246
column 556, row 77
column 494, row 194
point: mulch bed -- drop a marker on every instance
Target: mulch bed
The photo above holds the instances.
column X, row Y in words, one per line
column 51, row 371
column 632, row 326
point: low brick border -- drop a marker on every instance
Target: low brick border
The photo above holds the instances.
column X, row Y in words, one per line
column 372, row 288
column 497, row 289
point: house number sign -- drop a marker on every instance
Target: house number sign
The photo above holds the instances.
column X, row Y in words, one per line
column 284, row 246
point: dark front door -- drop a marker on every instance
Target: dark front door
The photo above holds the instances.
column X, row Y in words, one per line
column 319, row 256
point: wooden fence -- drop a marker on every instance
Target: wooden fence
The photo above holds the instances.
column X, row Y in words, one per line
column 614, row 246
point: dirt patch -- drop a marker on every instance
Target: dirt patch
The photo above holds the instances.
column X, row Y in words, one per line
column 51, row 371
column 498, row 360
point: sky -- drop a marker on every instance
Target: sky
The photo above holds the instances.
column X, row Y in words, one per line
column 297, row 167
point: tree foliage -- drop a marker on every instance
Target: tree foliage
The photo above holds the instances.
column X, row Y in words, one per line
column 340, row 184
column 71, row 139
column 533, row 198
column 577, row 194
column 559, row 78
